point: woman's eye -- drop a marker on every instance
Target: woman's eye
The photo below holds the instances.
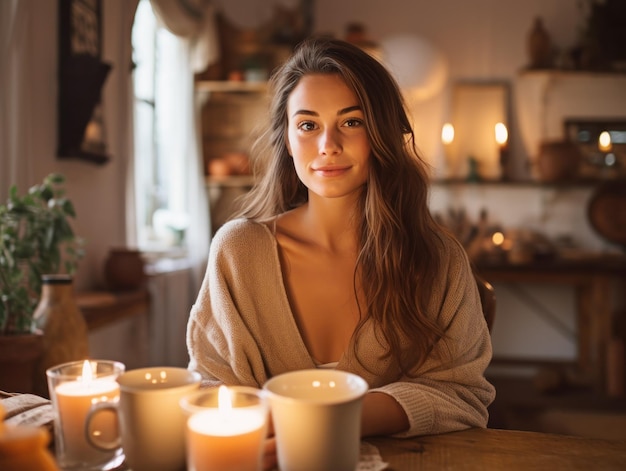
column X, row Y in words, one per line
column 306, row 126
column 353, row 123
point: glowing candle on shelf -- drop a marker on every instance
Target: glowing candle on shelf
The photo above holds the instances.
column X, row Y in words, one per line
column 226, row 438
column 74, row 399
column 604, row 142
column 502, row 137
column 447, row 134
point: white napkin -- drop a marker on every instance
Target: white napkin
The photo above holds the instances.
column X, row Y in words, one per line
column 370, row 459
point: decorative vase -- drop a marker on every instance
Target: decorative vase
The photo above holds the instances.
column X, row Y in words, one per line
column 124, row 270
column 63, row 325
column 539, row 46
column 19, row 356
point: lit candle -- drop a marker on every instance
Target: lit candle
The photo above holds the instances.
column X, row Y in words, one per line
column 502, row 134
column 447, row 134
column 604, row 142
column 74, row 399
column 502, row 137
column 447, row 137
column 226, row 438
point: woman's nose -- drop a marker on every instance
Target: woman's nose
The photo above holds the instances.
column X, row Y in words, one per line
column 330, row 141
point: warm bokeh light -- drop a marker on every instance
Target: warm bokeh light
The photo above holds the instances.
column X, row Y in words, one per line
column 447, row 133
column 497, row 238
column 604, row 141
column 502, row 135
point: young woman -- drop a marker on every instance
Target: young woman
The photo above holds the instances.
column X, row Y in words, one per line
column 335, row 260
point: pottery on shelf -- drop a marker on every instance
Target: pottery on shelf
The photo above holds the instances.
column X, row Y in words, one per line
column 539, row 46
column 558, row 161
column 124, row 270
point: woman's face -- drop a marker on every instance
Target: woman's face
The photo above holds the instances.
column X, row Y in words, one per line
column 326, row 136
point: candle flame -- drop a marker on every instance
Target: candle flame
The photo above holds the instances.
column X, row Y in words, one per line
column 87, row 371
column 224, row 400
column 604, row 141
column 502, row 135
column 447, row 133
column 497, row 238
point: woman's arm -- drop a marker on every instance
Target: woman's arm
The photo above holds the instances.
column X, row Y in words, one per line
column 449, row 390
column 382, row 415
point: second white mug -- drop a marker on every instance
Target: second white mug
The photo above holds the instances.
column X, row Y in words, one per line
column 316, row 415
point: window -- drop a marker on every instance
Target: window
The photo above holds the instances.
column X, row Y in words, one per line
column 160, row 189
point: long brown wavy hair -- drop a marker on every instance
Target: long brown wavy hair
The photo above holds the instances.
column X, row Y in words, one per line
column 400, row 243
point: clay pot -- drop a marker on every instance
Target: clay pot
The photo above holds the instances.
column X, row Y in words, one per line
column 124, row 270
column 558, row 161
column 19, row 356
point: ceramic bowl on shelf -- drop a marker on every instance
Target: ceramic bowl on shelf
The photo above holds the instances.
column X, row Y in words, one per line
column 558, row 160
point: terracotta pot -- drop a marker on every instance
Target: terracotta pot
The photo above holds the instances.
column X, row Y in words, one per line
column 558, row 161
column 19, row 355
column 124, row 270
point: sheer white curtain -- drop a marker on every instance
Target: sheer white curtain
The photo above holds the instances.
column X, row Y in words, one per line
column 16, row 105
column 192, row 23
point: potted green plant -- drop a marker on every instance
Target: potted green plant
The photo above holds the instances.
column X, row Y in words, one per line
column 36, row 238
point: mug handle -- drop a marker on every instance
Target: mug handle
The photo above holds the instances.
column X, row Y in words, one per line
column 94, row 439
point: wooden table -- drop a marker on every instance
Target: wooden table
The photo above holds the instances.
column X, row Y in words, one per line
column 492, row 449
column 593, row 278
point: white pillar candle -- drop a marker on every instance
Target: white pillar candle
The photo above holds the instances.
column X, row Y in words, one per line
column 74, row 399
column 226, row 438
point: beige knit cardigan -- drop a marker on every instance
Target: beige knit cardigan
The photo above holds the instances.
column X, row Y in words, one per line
column 241, row 331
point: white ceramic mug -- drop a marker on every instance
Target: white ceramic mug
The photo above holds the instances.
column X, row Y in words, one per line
column 152, row 424
column 316, row 415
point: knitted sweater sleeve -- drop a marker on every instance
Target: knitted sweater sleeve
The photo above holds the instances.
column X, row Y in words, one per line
column 220, row 330
column 450, row 392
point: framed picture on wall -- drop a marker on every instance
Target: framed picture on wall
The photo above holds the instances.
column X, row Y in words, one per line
column 81, row 130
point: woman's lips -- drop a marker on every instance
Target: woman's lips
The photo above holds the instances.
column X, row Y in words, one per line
column 331, row 171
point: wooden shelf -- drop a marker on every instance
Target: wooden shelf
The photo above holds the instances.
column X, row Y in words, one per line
column 230, row 86
column 101, row 308
column 572, row 73
column 520, row 183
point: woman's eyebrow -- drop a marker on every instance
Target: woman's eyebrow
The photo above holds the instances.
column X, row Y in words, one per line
column 306, row 112
column 349, row 109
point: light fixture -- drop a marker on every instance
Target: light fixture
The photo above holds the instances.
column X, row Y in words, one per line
column 419, row 68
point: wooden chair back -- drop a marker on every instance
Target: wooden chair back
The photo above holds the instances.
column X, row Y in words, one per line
column 487, row 299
